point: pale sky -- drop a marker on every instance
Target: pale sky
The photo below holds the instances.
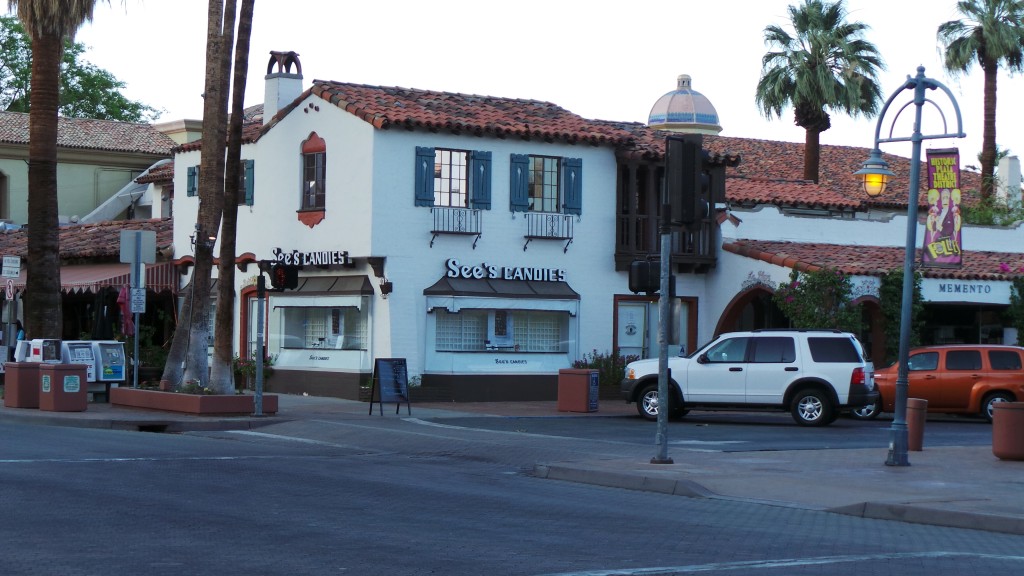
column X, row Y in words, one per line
column 603, row 60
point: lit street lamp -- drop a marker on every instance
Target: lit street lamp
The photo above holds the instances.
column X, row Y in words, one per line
column 874, row 175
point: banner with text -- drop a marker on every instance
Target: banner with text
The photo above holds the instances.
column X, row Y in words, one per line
column 942, row 240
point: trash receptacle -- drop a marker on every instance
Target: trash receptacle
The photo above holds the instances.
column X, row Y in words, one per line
column 21, row 384
column 63, row 387
column 917, row 413
column 577, row 390
column 1008, row 430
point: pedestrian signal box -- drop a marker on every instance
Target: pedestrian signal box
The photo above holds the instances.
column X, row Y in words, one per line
column 284, row 277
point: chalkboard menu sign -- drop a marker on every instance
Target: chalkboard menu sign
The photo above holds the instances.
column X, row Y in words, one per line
column 390, row 383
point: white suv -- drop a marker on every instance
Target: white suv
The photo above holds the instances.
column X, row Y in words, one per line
column 814, row 374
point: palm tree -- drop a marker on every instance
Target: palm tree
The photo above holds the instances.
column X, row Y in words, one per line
column 991, row 33
column 191, row 335
column 222, row 370
column 826, row 64
column 48, row 23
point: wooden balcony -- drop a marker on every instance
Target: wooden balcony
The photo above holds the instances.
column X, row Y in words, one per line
column 638, row 238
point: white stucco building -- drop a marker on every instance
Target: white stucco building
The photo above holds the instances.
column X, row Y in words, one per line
column 487, row 240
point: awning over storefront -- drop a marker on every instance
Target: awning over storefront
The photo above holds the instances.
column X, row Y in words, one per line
column 81, row 278
column 453, row 294
column 347, row 285
column 324, row 292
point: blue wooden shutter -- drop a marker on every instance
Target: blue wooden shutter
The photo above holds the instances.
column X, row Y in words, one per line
column 424, row 176
column 248, row 170
column 480, row 179
column 572, row 186
column 519, row 181
column 192, row 188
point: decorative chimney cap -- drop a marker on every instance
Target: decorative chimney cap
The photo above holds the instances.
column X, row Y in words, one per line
column 284, row 61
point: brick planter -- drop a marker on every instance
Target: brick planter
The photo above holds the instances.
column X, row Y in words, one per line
column 200, row 404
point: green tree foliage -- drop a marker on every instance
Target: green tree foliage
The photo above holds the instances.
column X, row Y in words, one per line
column 1016, row 310
column 823, row 64
column 86, row 91
column 990, row 34
column 819, row 299
column 890, row 297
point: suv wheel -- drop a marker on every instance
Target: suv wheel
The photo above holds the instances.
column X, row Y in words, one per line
column 812, row 408
column 869, row 412
column 647, row 402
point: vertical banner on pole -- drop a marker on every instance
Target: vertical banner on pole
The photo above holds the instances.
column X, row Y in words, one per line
column 942, row 227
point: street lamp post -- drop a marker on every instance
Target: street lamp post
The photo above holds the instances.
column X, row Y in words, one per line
column 875, row 174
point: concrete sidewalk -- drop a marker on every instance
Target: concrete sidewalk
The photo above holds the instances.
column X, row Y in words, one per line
column 959, row 486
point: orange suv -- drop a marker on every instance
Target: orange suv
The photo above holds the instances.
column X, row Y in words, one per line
column 954, row 379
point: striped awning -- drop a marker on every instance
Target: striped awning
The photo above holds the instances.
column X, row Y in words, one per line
column 92, row 277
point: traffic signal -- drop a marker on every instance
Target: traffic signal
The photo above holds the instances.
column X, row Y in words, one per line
column 683, row 159
column 686, row 181
column 284, row 277
column 644, row 276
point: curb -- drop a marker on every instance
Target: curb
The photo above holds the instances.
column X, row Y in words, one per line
column 666, row 484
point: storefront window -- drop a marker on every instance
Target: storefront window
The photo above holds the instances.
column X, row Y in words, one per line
column 502, row 330
column 339, row 328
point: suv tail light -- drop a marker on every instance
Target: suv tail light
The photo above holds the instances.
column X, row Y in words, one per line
column 857, row 378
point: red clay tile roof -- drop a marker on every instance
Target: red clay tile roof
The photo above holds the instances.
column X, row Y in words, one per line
column 163, row 173
column 875, row 260
column 394, row 107
column 780, row 163
column 96, row 242
column 785, row 161
column 411, row 108
column 91, row 134
column 767, row 172
column 799, row 194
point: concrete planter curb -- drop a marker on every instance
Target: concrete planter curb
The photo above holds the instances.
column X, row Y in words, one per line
column 200, row 404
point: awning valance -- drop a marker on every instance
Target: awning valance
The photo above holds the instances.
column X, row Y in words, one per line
column 497, row 288
column 352, row 285
column 454, row 294
column 78, row 278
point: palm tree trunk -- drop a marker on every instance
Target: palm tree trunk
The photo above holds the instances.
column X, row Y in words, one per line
column 812, row 154
column 988, row 137
column 222, row 373
column 195, row 330
column 43, row 299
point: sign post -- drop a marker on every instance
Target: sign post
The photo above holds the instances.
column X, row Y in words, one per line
column 11, row 270
column 137, row 247
column 261, row 293
column 12, row 266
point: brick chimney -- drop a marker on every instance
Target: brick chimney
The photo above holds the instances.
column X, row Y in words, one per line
column 282, row 86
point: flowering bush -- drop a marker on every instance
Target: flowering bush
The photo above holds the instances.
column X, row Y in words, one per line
column 610, row 368
column 819, row 299
column 245, row 369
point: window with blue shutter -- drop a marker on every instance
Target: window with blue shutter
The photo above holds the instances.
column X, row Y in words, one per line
column 480, row 179
column 424, row 176
column 248, row 181
column 192, row 188
column 572, row 186
column 519, row 179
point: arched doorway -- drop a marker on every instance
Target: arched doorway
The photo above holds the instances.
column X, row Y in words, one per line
column 751, row 309
column 872, row 332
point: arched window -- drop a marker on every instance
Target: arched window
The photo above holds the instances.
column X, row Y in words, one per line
column 314, row 173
